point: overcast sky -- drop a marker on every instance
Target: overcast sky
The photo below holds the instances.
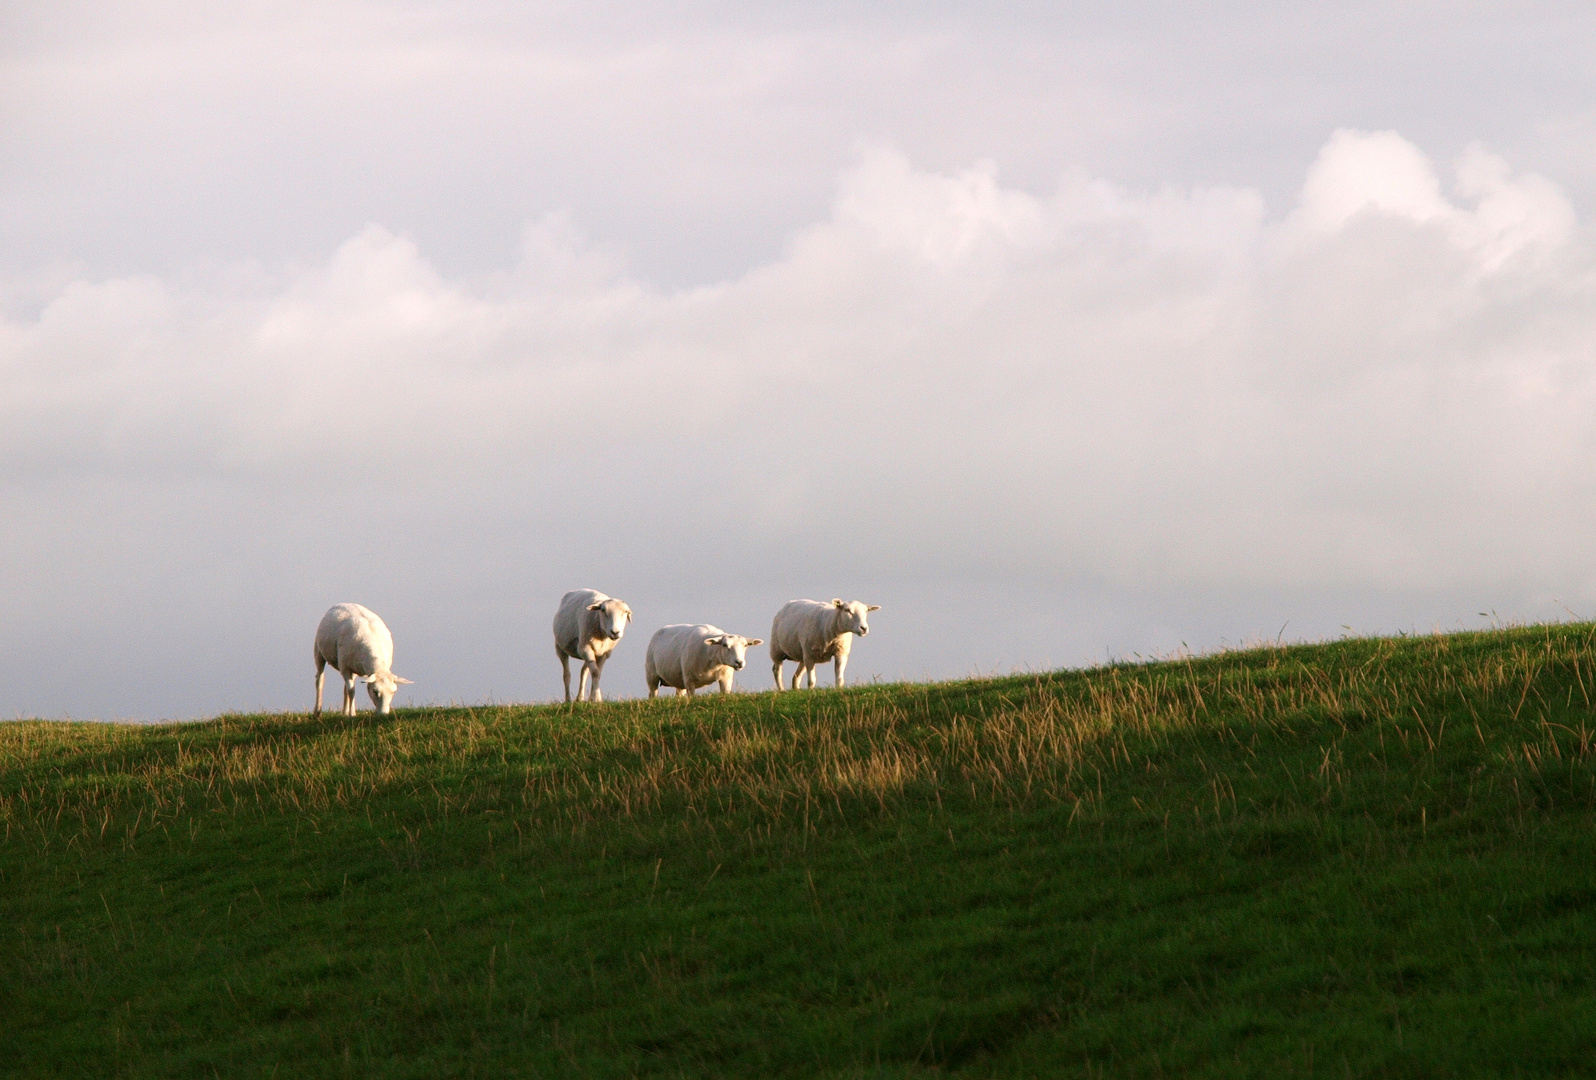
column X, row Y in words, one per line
column 1063, row 335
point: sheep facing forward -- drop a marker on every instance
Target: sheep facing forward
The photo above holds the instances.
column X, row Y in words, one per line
column 688, row 656
column 810, row 632
column 587, row 626
column 357, row 644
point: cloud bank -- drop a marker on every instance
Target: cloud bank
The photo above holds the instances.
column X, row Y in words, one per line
column 1033, row 427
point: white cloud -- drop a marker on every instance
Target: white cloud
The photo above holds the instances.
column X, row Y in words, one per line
column 1380, row 172
column 948, row 387
column 1384, row 175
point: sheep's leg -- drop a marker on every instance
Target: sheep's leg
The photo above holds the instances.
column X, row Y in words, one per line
column 321, row 675
column 840, row 662
column 653, row 688
column 726, row 683
column 594, row 693
column 775, row 671
column 349, row 694
column 582, row 681
column 565, row 671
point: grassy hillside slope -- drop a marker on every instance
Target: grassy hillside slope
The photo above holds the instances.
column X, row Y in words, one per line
column 1366, row 858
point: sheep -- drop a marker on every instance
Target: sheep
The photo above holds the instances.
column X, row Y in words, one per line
column 587, row 626
column 357, row 644
column 687, row 656
column 808, row 632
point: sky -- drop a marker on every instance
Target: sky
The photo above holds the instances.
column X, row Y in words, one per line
column 1065, row 333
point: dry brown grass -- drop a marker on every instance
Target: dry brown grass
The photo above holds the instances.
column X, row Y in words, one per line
column 1049, row 737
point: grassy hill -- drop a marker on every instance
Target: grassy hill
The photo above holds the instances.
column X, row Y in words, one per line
column 1366, row 858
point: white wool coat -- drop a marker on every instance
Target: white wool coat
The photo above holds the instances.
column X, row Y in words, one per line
column 354, row 640
column 811, row 632
column 356, row 643
column 687, row 656
column 587, row 627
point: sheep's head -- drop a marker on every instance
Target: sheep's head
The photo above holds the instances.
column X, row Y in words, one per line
column 613, row 615
column 854, row 616
column 731, row 649
column 382, row 687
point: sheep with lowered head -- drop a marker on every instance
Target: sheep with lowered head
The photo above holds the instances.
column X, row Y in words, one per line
column 357, row 644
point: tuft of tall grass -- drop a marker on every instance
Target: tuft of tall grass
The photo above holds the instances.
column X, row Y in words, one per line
column 1019, row 741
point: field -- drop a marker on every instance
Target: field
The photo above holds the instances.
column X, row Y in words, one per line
column 1372, row 857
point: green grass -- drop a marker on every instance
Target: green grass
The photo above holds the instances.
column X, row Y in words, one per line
column 1366, row 858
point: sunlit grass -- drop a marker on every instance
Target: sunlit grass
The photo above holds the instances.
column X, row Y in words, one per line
column 1284, row 861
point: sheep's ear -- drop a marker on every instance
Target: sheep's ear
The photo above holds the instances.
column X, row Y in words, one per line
column 718, row 640
column 628, row 614
column 873, row 607
column 756, row 641
column 595, row 607
column 838, row 603
column 402, row 679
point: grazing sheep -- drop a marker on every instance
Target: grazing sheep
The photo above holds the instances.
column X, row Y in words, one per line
column 687, row 657
column 357, row 644
column 808, row 631
column 587, row 626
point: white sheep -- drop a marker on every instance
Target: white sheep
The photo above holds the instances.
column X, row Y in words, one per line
column 688, row 656
column 809, row 632
column 357, row 644
column 587, row 626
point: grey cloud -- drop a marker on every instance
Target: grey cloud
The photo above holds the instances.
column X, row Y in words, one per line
column 1120, row 419
column 146, row 137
